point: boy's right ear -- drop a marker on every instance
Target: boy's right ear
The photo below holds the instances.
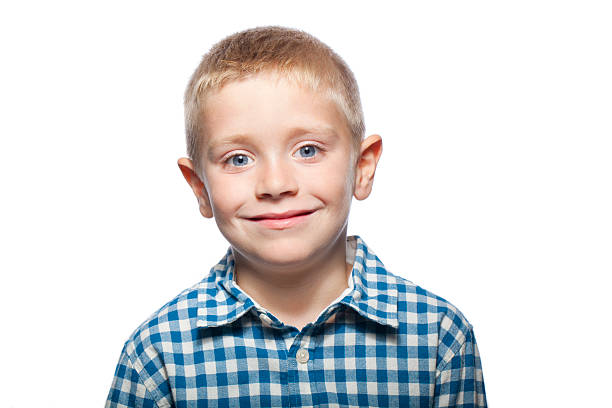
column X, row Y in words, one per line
column 196, row 184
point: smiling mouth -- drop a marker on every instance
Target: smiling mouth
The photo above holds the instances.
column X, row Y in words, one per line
column 281, row 216
column 283, row 220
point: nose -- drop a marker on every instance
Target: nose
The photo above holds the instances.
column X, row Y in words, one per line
column 276, row 179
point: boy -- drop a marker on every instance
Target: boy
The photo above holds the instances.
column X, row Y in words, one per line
column 296, row 314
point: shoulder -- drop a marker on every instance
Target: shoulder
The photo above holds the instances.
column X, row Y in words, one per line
column 415, row 299
column 175, row 325
column 417, row 308
column 174, row 321
column 420, row 309
column 141, row 373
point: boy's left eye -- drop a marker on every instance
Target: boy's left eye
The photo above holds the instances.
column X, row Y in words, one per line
column 308, row 151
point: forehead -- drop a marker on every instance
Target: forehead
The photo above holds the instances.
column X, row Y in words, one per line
column 268, row 105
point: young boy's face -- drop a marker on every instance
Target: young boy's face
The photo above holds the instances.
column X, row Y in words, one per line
column 278, row 170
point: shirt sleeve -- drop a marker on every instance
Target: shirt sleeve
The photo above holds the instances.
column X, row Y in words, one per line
column 459, row 381
column 128, row 389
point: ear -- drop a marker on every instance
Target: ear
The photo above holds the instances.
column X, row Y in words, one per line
column 196, row 184
column 371, row 149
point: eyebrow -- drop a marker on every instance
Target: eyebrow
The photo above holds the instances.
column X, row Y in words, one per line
column 322, row 130
column 232, row 139
column 237, row 139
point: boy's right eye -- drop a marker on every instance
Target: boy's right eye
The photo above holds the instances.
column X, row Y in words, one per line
column 238, row 160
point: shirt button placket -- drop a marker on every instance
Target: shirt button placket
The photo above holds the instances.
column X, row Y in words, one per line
column 301, row 388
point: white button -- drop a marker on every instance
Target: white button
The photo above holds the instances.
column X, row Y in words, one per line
column 265, row 318
column 302, row 356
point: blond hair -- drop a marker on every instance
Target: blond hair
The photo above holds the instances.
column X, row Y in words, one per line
column 293, row 54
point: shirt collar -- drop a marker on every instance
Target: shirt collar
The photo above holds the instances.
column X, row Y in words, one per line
column 374, row 293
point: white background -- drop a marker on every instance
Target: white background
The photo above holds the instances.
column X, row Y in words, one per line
column 494, row 189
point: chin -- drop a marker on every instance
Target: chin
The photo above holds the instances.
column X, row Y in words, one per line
column 281, row 253
column 284, row 255
column 283, row 248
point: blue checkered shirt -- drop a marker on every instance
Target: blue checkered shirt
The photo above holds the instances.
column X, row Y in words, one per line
column 384, row 343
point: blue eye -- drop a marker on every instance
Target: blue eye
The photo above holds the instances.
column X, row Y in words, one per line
column 239, row 160
column 308, row 151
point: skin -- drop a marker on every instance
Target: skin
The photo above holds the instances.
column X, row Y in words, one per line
column 259, row 158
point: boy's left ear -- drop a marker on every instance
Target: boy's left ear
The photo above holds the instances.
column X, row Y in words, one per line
column 371, row 149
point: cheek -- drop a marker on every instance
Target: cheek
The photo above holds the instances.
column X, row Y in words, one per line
column 226, row 195
column 336, row 185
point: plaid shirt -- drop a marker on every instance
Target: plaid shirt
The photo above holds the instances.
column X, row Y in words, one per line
column 390, row 344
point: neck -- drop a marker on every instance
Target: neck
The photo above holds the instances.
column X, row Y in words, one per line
column 297, row 296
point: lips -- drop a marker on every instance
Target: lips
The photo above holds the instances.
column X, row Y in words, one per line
column 280, row 221
column 281, row 216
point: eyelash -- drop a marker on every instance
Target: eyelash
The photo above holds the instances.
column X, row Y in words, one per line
column 317, row 150
column 227, row 159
